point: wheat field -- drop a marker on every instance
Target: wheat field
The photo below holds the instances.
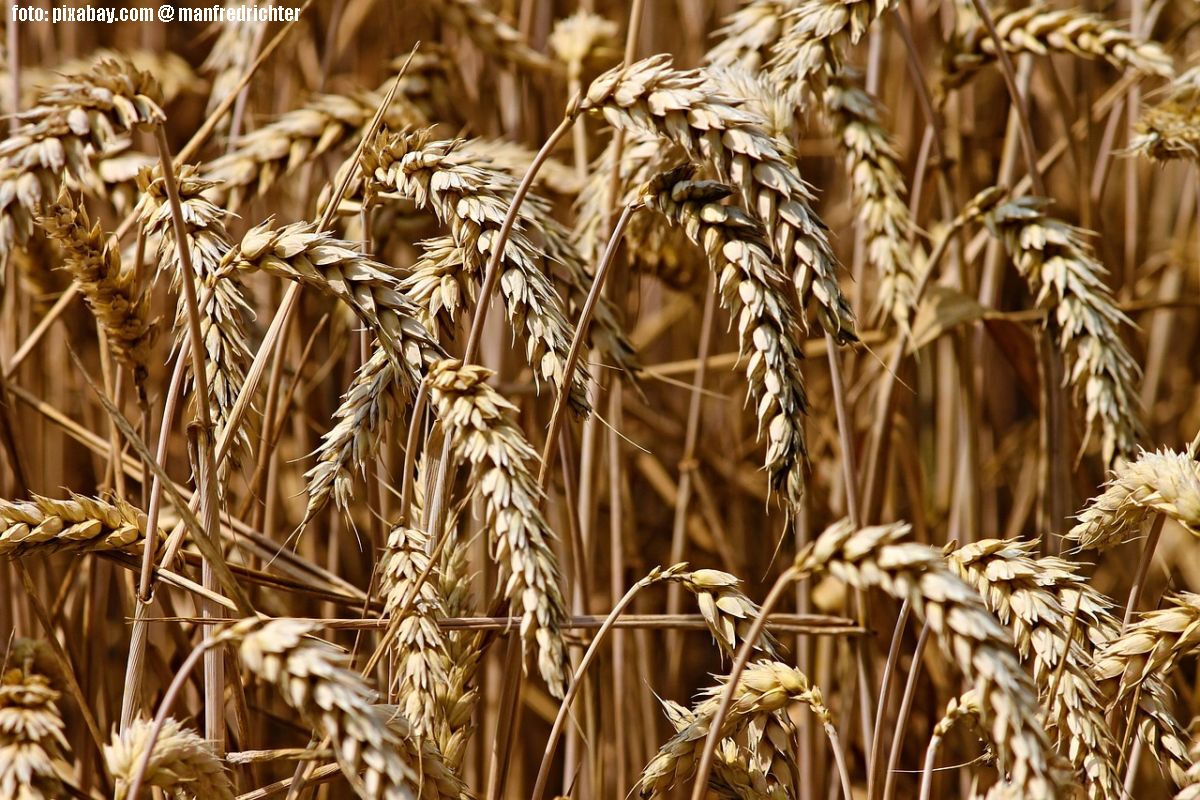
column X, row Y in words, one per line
column 710, row 399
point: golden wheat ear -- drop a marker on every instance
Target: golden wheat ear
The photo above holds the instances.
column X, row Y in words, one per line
column 181, row 763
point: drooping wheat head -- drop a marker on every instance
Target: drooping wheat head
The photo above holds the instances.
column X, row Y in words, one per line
column 753, row 290
column 182, row 763
column 32, row 741
column 1067, row 280
column 479, row 423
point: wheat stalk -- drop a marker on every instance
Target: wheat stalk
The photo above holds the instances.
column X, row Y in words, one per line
column 1040, row 29
column 94, row 261
column 419, row 647
column 764, row 687
column 223, row 307
column 81, row 524
column 1063, row 273
column 32, row 740
column 1020, row 590
column 473, row 201
column 74, row 120
column 479, row 423
column 877, row 557
column 182, row 763
column 752, row 289
column 378, row 760
column 1163, row 482
column 685, row 108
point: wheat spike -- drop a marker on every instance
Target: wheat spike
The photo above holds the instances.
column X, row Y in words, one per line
column 813, row 44
column 94, row 261
column 32, row 740
column 1020, row 590
column 752, row 289
column 735, row 773
column 581, row 39
column 1154, row 645
column 314, row 678
column 748, row 34
column 1163, row 482
column 419, row 647
column 491, row 33
column 231, row 54
column 479, row 422
column 182, row 763
column 79, row 524
column 73, row 120
column 1171, row 129
column 172, row 73
column 1063, row 273
column 1041, row 29
column 473, row 201
column 223, row 307
column 763, row 688
column 686, row 108
column 877, row 557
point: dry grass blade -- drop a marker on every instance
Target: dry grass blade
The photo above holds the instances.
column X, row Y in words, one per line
column 1163, row 482
column 752, row 289
column 684, row 107
column 480, row 424
column 182, row 764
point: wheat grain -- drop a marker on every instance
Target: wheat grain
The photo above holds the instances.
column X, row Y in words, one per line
column 83, row 524
column 32, row 740
column 753, row 291
column 1019, row 589
column 1040, row 29
column 687, row 109
column 94, row 261
column 1062, row 271
column 223, row 307
column 479, row 423
column 1163, row 482
column 877, row 557
column 73, row 120
column 181, row 764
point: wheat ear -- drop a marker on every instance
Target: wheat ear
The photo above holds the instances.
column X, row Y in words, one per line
column 473, row 201
column 1041, row 29
column 79, row 524
column 1154, row 645
column 877, row 557
column 73, row 120
column 231, row 53
column 764, row 688
column 735, row 771
column 1171, row 129
column 1019, row 589
column 686, row 108
column 491, row 33
column 752, row 289
column 223, row 307
column 419, row 647
column 32, row 740
column 1163, row 482
column 479, row 423
column 94, row 261
column 1062, row 271
column 182, row 764
column 314, row 678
